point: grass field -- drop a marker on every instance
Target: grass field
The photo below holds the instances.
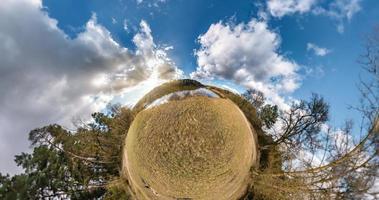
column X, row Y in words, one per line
column 198, row 148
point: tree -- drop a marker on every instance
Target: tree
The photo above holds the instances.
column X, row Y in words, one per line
column 332, row 163
column 307, row 159
column 78, row 165
column 267, row 113
column 369, row 86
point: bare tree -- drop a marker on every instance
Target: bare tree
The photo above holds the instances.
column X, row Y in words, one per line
column 312, row 160
column 369, row 85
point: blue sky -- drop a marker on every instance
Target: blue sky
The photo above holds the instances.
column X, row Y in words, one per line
column 62, row 60
column 179, row 23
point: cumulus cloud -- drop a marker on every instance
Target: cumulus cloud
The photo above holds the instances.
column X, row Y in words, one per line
column 319, row 51
column 279, row 8
column 249, row 55
column 47, row 77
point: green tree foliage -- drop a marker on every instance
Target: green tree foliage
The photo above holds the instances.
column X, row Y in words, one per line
column 268, row 114
column 75, row 165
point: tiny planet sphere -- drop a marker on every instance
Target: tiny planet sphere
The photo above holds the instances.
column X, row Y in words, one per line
column 192, row 145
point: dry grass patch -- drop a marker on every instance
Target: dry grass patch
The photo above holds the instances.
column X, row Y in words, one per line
column 198, row 148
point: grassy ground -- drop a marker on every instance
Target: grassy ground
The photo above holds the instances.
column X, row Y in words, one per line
column 198, row 148
column 264, row 155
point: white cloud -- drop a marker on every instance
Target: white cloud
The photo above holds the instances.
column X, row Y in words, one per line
column 114, row 21
column 151, row 3
column 46, row 77
column 319, row 51
column 345, row 8
column 338, row 10
column 315, row 72
column 341, row 11
column 249, row 55
column 279, row 8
